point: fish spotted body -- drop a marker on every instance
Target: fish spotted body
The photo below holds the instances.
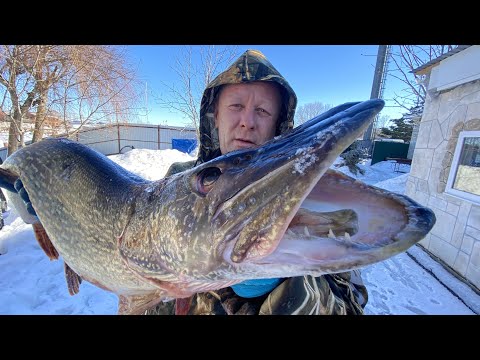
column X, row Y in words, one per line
column 276, row 210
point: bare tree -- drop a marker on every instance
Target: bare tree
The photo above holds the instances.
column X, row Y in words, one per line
column 404, row 59
column 195, row 68
column 19, row 90
column 81, row 83
column 309, row 111
column 382, row 121
column 100, row 86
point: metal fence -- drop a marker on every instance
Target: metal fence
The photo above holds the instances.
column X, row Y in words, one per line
column 118, row 138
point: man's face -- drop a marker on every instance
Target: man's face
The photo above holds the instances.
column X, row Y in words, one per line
column 246, row 115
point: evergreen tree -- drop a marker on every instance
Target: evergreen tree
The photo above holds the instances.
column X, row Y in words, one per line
column 401, row 129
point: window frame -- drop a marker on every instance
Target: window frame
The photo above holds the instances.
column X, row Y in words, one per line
column 454, row 167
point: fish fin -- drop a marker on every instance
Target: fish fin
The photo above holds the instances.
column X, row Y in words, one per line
column 73, row 280
column 44, row 241
column 137, row 305
column 182, row 305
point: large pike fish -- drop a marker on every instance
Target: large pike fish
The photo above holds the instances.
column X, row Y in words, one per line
column 272, row 211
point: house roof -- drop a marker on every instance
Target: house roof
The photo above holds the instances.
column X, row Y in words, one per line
column 421, row 70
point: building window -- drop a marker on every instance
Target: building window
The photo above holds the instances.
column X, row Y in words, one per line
column 464, row 178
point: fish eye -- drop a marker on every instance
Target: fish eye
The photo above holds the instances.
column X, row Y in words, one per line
column 206, row 178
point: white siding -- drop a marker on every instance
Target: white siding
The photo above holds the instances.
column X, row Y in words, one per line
column 458, row 69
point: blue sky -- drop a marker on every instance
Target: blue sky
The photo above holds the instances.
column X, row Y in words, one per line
column 331, row 74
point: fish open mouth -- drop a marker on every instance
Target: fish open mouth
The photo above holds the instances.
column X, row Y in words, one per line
column 292, row 209
column 345, row 224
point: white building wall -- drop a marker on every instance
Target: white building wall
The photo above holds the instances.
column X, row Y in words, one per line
column 455, row 238
column 456, row 70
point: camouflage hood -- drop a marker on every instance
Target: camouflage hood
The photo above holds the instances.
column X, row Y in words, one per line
column 251, row 66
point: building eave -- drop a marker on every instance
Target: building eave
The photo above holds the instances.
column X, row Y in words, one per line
column 427, row 67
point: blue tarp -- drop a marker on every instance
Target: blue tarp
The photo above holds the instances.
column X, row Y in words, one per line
column 184, row 145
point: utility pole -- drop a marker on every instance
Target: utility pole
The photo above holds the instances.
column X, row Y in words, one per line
column 377, row 86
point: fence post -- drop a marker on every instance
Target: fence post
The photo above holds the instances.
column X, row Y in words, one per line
column 118, row 137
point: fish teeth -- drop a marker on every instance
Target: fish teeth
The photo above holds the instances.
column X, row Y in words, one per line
column 347, row 236
column 331, row 234
column 305, row 229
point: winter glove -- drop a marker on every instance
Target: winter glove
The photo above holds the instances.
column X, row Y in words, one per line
column 18, row 185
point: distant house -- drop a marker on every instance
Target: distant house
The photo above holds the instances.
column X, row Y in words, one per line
column 53, row 124
column 445, row 172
